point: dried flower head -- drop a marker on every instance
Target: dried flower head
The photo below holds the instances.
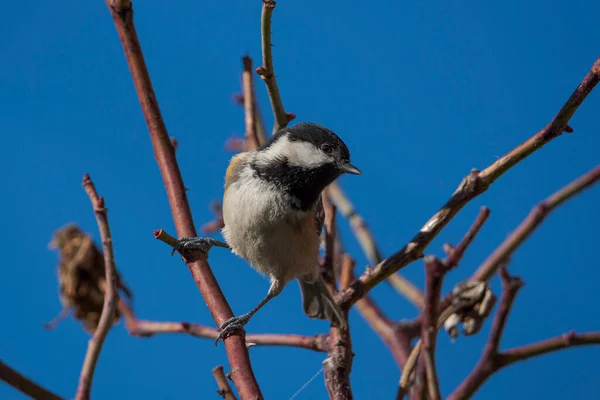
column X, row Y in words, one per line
column 81, row 276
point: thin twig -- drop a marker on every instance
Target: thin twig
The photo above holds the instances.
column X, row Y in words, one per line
column 252, row 139
column 435, row 272
column 25, row 385
column 224, row 389
column 267, row 72
column 327, row 271
column 61, row 316
column 144, row 328
column 487, row 364
column 564, row 341
column 533, row 220
column 456, row 254
column 338, row 365
column 367, row 242
column 197, row 263
column 110, row 294
column 472, row 185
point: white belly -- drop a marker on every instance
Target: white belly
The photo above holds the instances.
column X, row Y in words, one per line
column 261, row 228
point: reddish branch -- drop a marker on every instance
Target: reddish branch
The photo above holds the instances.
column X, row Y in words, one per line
column 457, row 252
column 110, row 294
column 197, row 263
column 266, row 71
column 252, row 139
column 25, row 385
column 487, row 364
column 533, row 220
column 224, row 389
column 428, row 380
column 144, row 328
column 472, row 185
column 338, row 364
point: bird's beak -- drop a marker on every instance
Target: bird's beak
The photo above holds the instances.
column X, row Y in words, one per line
column 348, row 168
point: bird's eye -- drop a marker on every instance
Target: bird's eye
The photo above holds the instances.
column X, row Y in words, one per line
column 327, row 148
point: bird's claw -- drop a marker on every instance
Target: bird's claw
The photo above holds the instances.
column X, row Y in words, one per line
column 231, row 325
column 197, row 243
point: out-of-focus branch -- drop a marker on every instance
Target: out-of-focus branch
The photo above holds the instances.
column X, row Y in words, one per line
column 570, row 339
column 144, row 328
column 267, row 72
column 533, row 220
column 25, row 385
column 487, row 364
column 397, row 336
column 472, row 185
column 197, row 263
column 369, row 246
column 455, row 255
column 338, row 364
column 224, row 389
column 435, row 271
column 110, row 294
column 327, row 270
column 252, row 139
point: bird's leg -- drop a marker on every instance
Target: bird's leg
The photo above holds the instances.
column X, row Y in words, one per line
column 236, row 323
column 197, row 243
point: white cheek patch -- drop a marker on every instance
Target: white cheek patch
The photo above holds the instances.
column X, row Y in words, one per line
column 298, row 154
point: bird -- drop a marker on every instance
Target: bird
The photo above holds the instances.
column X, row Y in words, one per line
column 273, row 215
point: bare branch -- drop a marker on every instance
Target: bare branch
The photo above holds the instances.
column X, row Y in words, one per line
column 25, row 385
column 197, row 263
column 266, row 71
column 338, row 365
column 456, row 254
column 327, row 270
column 488, row 364
column 435, row 272
column 565, row 341
column 110, row 294
column 472, row 185
column 224, row 388
column 61, row 316
column 249, row 104
column 533, row 220
column 144, row 328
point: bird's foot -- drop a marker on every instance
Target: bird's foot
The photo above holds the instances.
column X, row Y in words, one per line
column 197, row 243
column 232, row 325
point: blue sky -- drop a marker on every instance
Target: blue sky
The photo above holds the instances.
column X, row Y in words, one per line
column 420, row 92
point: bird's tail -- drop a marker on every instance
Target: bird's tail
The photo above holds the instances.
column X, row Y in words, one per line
column 318, row 303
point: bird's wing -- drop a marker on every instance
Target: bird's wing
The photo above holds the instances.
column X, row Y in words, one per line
column 319, row 214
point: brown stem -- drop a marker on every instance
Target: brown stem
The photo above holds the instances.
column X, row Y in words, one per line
column 435, row 271
column 237, row 352
column 472, row 185
column 456, row 254
column 338, row 365
column 110, row 294
column 25, row 385
column 488, row 363
column 564, row 341
column 252, row 139
column 224, row 389
column 533, row 220
column 144, row 328
column 327, row 270
column 267, row 72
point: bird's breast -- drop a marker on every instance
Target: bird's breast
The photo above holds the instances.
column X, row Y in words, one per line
column 261, row 227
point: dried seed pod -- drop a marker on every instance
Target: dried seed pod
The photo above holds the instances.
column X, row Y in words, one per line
column 472, row 303
column 81, row 276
